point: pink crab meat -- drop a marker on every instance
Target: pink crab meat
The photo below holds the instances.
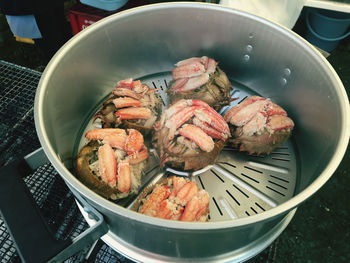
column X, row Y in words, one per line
column 137, row 157
column 126, row 102
column 179, row 83
column 126, row 92
column 209, row 130
column 133, row 113
column 194, row 82
column 186, row 192
column 134, row 141
column 107, row 165
column 214, row 119
column 255, row 125
column 100, row 134
column 198, row 136
column 211, row 66
column 196, row 207
column 115, row 140
column 124, row 83
column 188, row 61
column 124, row 177
column 155, row 198
column 274, row 109
column 178, row 119
column 178, row 183
column 233, row 111
column 247, row 113
column 279, row 122
column 205, row 61
column 188, row 70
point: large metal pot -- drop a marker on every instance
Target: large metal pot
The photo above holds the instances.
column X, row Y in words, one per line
column 144, row 42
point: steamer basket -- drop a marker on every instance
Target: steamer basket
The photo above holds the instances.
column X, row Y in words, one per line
column 252, row 197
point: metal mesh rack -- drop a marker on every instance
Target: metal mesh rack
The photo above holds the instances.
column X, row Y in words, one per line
column 57, row 204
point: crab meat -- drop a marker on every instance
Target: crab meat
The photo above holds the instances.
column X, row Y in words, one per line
column 133, row 113
column 198, row 136
column 134, row 141
column 178, row 183
column 248, row 112
column 186, row 192
column 124, row 176
column 178, row 119
column 279, row 122
column 115, row 140
column 159, row 194
column 209, row 130
column 233, row 111
column 107, row 165
column 138, row 157
column 193, row 83
column 196, row 207
column 126, row 92
column 100, row 134
column 179, row 83
column 259, row 125
column 188, row 70
column 123, row 102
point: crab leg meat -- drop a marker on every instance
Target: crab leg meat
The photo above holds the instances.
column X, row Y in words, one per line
column 244, row 115
column 274, row 109
column 134, row 141
column 122, row 92
column 124, row 176
column 178, row 183
column 138, row 157
column 107, row 165
column 240, row 106
column 196, row 207
column 188, row 70
column 178, row 119
column 115, row 140
column 194, row 83
column 279, row 122
column 211, row 68
column 186, row 192
column 156, row 197
column 209, row 130
column 100, row 134
column 213, row 119
column 255, row 125
column 198, row 136
column 133, row 113
column 126, row 102
column 179, row 83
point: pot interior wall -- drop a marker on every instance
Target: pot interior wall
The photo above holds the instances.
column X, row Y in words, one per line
column 268, row 59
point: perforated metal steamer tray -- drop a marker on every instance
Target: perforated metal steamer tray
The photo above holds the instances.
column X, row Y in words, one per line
column 239, row 184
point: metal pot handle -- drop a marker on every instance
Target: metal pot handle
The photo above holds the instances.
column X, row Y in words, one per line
column 33, row 239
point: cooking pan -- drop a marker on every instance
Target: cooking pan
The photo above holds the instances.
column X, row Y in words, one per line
column 253, row 198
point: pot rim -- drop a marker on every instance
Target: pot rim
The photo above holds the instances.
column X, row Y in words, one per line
column 132, row 215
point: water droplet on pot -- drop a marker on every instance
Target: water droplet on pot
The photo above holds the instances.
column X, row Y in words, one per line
column 287, row 71
column 249, row 48
column 283, row 81
column 251, row 35
column 246, row 58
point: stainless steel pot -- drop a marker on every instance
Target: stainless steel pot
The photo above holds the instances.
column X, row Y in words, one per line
column 259, row 56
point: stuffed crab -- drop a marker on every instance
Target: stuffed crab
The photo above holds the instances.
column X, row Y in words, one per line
column 174, row 198
column 112, row 162
column 200, row 78
column 258, row 125
column 190, row 135
column 131, row 105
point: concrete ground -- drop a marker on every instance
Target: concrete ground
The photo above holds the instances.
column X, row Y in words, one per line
column 320, row 230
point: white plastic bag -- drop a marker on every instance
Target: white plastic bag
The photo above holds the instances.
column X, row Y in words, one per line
column 284, row 12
